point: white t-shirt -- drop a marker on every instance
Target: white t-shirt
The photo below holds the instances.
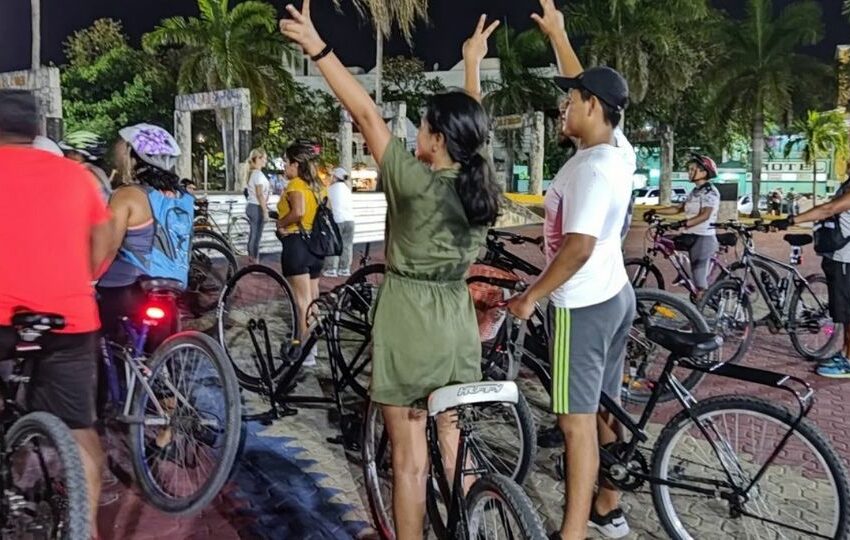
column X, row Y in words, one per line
column 340, row 196
column 705, row 196
column 257, row 178
column 590, row 195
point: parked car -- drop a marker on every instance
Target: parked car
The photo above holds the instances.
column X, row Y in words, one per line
column 650, row 196
column 745, row 204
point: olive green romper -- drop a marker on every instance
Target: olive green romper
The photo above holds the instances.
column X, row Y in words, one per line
column 425, row 333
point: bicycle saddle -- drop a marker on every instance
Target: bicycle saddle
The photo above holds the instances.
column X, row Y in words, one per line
column 38, row 321
column 456, row 395
column 798, row 240
column 728, row 239
column 683, row 344
column 161, row 285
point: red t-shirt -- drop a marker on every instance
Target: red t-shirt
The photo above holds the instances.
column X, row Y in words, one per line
column 48, row 206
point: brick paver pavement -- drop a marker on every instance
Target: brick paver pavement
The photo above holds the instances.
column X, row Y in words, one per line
column 292, row 483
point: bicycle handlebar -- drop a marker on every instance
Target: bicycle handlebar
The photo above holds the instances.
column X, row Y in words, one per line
column 515, row 238
column 758, row 226
column 509, row 284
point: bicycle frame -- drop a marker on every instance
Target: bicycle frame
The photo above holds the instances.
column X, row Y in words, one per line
column 680, row 260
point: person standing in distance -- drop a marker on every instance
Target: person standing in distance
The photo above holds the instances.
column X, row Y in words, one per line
column 339, row 194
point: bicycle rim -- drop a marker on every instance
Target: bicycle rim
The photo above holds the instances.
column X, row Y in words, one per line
column 210, row 267
column 377, row 471
column 728, row 313
column 799, row 488
column 498, row 508
column 813, row 332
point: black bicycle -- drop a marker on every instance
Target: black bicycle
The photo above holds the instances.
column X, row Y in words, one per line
column 795, row 304
column 43, row 490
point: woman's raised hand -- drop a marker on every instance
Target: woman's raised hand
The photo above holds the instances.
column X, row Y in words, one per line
column 300, row 29
column 475, row 48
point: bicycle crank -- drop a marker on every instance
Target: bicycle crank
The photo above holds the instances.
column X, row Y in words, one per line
column 621, row 472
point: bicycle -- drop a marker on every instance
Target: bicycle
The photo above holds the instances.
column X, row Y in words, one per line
column 792, row 303
column 643, row 272
column 493, row 499
column 180, row 405
column 737, row 495
column 49, row 505
column 235, row 233
column 211, row 265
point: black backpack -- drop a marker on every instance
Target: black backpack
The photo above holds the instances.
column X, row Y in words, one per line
column 325, row 239
column 827, row 234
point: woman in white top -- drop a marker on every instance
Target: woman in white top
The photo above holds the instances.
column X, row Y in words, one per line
column 339, row 194
column 257, row 191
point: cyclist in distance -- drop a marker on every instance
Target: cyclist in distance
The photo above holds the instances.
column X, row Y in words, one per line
column 49, row 268
column 425, row 332
column 152, row 228
column 700, row 208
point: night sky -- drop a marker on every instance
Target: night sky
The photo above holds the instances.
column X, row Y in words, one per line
column 437, row 41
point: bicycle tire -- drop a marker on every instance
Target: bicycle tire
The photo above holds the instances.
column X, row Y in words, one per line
column 377, row 470
column 76, row 500
column 830, row 346
column 810, row 434
column 208, row 235
column 696, row 323
column 748, row 326
column 205, row 280
column 643, row 269
column 252, row 381
column 237, row 234
column 231, row 407
column 518, row 504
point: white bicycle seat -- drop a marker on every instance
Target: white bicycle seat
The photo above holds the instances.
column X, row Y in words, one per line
column 456, row 395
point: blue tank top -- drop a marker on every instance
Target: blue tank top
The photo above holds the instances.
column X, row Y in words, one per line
column 122, row 272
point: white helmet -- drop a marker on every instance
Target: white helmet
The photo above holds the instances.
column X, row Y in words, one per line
column 152, row 144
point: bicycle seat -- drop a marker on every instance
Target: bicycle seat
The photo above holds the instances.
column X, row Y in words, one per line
column 683, row 344
column 161, row 285
column 449, row 397
column 798, row 240
column 38, row 321
column 728, row 239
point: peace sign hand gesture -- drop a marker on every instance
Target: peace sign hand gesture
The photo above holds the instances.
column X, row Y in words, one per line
column 300, row 29
column 475, row 48
column 552, row 21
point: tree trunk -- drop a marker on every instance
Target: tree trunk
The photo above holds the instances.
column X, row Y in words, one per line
column 814, row 182
column 379, row 66
column 509, row 163
column 758, row 158
column 35, row 17
column 667, row 149
column 346, row 138
column 538, row 141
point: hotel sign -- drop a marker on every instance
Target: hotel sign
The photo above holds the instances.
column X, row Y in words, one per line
column 794, row 166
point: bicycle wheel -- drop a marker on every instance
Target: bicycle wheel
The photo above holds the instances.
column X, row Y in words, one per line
column 812, row 331
column 377, row 471
column 498, row 508
column 643, row 274
column 237, row 234
column 256, row 296
column 351, row 336
column 726, row 308
column 805, row 486
column 210, row 268
column 645, row 359
column 762, row 271
column 46, row 475
column 209, row 235
column 185, row 431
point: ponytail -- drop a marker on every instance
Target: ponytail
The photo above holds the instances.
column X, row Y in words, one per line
column 479, row 193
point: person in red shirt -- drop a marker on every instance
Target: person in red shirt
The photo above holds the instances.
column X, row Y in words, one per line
column 54, row 235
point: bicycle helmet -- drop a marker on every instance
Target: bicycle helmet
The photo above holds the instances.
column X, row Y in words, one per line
column 154, row 145
column 85, row 143
column 705, row 163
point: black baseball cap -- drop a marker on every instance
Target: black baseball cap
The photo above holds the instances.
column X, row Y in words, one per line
column 18, row 113
column 603, row 82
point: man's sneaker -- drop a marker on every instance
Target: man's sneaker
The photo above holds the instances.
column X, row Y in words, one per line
column 329, row 273
column 837, row 367
column 611, row 525
column 345, row 273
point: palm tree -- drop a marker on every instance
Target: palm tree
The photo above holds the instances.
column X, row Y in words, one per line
column 520, row 89
column 820, row 135
column 35, row 19
column 229, row 48
column 385, row 13
column 657, row 46
column 756, row 74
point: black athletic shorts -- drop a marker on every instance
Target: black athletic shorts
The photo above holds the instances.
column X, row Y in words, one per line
column 838, row 284
column 296, row 259
column 63, row 375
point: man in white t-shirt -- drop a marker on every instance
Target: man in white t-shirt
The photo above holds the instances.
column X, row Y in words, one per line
column 342, row 205
column 591, row 303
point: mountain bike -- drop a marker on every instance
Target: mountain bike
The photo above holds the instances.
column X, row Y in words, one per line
column 43, row 492
column 235, row 232
column 476, row 500
column 180, row 405
column 795, row 304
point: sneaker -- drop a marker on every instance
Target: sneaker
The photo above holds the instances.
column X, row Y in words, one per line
column 329, row 273
column 310, row 361
column 345, row 273
column 550, row 437
column 611, row 525
column 837, row 367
